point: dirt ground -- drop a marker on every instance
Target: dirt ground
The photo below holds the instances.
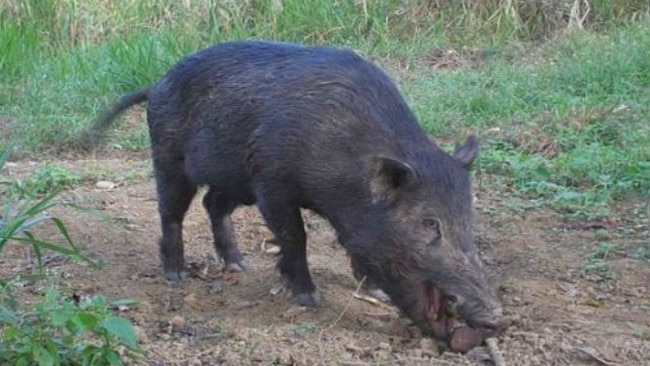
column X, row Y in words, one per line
column 598, row 317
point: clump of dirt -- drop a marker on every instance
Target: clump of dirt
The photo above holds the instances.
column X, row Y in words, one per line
column 215, row 318
column 444, row 59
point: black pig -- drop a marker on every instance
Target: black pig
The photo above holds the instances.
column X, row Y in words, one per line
column 288, row 126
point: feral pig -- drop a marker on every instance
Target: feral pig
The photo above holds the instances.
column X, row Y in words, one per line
column 287, row 126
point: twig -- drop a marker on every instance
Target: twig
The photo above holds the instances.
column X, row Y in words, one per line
column 345, row 309
column 337, row 320
column 364, row 297
column 592, row 353
column 495, row 353
column 408, row 360
column 195, row 356
column 579, row 12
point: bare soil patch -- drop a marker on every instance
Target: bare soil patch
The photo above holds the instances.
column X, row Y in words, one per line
column 535, row 256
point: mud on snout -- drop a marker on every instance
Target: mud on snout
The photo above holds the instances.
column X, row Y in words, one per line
column 461, row 308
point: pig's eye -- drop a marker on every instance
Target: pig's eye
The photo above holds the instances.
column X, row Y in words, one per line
column 432, row 225
column 433, row 228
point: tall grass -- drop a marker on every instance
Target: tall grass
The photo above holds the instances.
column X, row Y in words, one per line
column 51, row 26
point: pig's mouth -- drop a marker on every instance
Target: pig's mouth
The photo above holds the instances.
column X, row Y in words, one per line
column 438, row 312
column 444, row 322
column 435, row 298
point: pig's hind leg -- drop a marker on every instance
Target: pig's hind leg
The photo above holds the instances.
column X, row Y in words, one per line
column 219, row 206
column 175, row 193
column 285, row 221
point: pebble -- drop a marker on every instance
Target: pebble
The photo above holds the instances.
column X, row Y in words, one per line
column 216, row 287
column 177, row 322
column 465, row 338
column 429, row 347
column 144, row 306
column 141, row 335
column 104, row 184
column 194, row 361
column 191, row 301
column 384, row 346
column 270, row 248
column 294, row 311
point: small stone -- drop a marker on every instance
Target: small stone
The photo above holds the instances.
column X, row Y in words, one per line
column 132, row 227
column 414, row 332
column 382, row 354
column 275, row 290
column 89, row 289
column 104, row 184
column 141, row 335
column 177, row 322
column 286, row 359
column 194, row 361
column 215, row 287
column 384, row 346
column 600, row 296
column 191, row 301
column 358, row 351
column 144, row 307
column 479, row 355
column 294, row 311
column 465, row 338
column 415, row 352
column 429, row 347
column 270, row 248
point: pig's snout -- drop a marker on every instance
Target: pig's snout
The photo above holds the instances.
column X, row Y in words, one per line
column 494, row 322
column 478, row 315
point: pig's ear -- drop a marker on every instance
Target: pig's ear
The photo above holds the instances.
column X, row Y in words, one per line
column 389, row 176
column 467, row 152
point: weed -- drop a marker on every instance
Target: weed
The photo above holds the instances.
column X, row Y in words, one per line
column 305, row 328
column 21, row 216
column 642, row 252
column 595, row 266
column 46, row 180
column 639, row 332
column 64, row 331
column 58, row 330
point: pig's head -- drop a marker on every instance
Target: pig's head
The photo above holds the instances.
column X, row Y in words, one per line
column 424, row 256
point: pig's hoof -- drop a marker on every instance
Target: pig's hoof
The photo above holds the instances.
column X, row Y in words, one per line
column 378, row 294
column 240, row 266
column 175, row 277
column 306, row 299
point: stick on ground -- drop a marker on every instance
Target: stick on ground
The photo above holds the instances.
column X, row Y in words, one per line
column 495, row 353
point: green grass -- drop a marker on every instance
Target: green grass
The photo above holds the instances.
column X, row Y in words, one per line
column 571, row 128
column 595, row 266
column 47, row 179
column 563, row 116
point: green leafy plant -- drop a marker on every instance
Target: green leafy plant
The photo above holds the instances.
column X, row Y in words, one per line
column 58, row 330
column 20, row 216
column 595, row 266
column 47, row 180
column 642, row 252
column 65, row 331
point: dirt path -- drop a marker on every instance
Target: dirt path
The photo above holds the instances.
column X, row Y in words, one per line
column 598, row 317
